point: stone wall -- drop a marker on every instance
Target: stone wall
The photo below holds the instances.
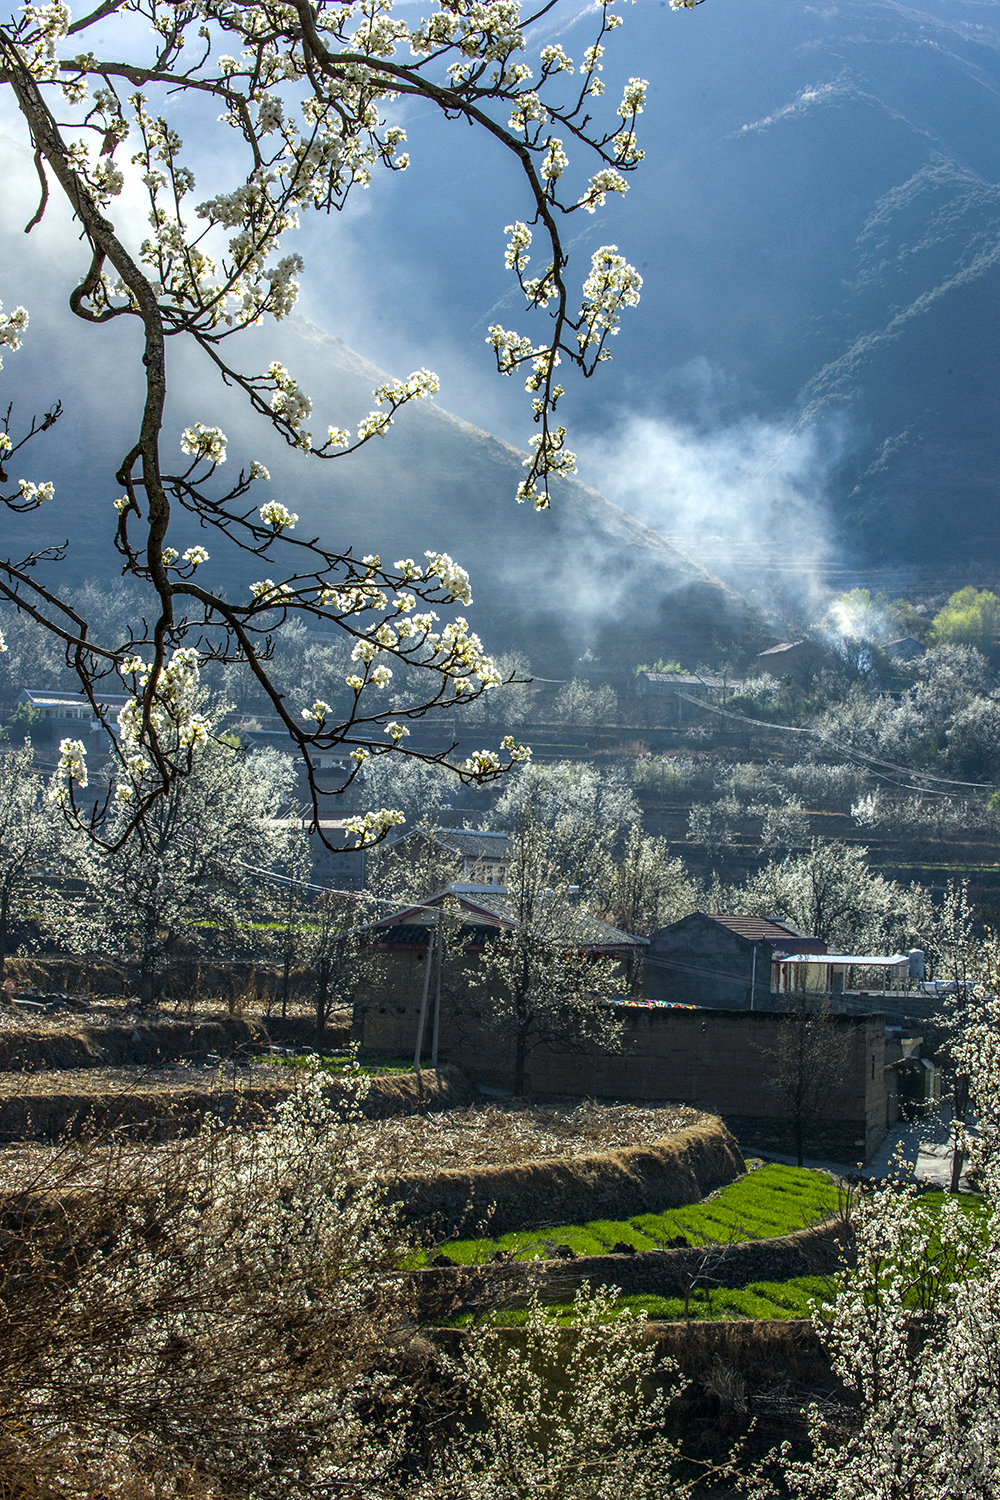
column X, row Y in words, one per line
column 681, row 1168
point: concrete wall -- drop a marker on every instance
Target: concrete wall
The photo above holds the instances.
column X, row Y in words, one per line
column 697, row 962
column 715, row 1059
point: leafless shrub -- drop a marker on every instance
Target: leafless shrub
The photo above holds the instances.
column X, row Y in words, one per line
column 219, row 1309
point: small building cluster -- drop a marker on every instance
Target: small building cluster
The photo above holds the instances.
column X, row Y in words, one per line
column 711, row 1028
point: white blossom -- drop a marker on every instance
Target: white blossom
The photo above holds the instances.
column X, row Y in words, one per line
column 288, row 401
column 71, row 767
column 36, row 493
column 608, row 180
column 266, row 591
column 482, row 762
column 370, row 827
column 633, row 98
column 204, row 442
column 12, row 325
column 515, row 750
column 277, row 515
column 611, row 285
column 318, row 712
column 555, row 161
column 454, row 579
column 516, row 255
column 195, row 556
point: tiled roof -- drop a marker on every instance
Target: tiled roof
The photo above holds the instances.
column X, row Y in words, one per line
column 683, row 679
column 579, row 926
column 759, row 929
column 411, row 935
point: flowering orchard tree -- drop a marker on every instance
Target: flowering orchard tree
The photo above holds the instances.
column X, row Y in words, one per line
column 30, row 835
column 192, row 872
column 308, row 90
column 914, row 1331
column 542, row 983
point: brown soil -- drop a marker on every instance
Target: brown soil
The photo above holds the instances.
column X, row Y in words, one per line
column 681, row 1168
column 164, row 1104
column 519, row 1132
column 113, row 1035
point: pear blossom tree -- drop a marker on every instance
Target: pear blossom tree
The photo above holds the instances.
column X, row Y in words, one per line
column 30, row 834
column 307, row 90
column 541, row 985
column 193, row 868
column 914, row 1329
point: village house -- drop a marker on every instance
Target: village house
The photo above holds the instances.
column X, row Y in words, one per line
column 68, row 715
column 718, row 1059
column 721, row 961
column 387, row 1017
column 677, row 689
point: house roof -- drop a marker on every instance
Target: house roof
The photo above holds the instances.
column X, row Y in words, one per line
column 905, row 648
column 870, row 961
column 764, row 930
column 467, row 843
column 781, row 647
column 682, row 679
column 490, row 906
column 413, row 935
column 53, row 698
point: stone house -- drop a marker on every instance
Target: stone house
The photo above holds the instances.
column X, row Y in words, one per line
column 386, row 1017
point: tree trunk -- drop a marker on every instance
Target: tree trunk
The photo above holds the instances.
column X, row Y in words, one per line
column 4, row 931
column 285, row 975
column 958, row 1118
column 322, row 1001
column 520, row 1061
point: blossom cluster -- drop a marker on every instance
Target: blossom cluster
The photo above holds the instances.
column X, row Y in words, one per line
column 318, row 127
column 176, row 718
column 12, row 326
column 208, row 443
column 368, row 828
column 35, row 494
column 71, row 769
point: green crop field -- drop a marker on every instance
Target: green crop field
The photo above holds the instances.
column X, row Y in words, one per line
column 770, row 1201
column 761, row 1299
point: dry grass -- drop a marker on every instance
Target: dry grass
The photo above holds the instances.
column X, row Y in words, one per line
column 498, row 1135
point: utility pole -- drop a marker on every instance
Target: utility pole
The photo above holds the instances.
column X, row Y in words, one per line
column 421, row 1024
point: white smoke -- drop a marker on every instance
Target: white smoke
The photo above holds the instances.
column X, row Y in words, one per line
column 746, row 498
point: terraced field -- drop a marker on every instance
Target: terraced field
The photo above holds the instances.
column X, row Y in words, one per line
column 771, row 1300
column 136, row 1083
column 773, row 1200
